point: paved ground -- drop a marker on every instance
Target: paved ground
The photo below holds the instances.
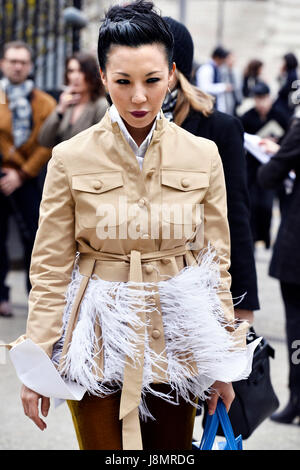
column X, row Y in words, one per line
column 18, row 432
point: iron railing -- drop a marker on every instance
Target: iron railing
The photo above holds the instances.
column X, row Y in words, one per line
column 40, row 23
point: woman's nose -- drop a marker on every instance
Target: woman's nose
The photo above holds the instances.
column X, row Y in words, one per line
column 139, row 97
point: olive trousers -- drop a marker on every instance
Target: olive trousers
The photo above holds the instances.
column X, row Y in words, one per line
column 97, row 424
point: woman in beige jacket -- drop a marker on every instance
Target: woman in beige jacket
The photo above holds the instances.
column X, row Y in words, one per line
column 130, row 290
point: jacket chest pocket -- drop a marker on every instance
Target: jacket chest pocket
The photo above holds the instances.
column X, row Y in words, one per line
column 98, row 196
column 182, row 195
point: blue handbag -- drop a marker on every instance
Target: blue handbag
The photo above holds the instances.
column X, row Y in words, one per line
column 210, row 430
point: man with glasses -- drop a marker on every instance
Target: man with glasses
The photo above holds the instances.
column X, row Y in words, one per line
column 23, row 109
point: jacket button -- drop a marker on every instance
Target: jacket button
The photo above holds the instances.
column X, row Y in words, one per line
column 97, row 185
column 166, row 261
column 155, row 334
column 185, row 183
column 141, row 202
column 149, row 269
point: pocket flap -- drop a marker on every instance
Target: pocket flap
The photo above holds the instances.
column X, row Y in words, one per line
column 184, row 180
column 97, row 182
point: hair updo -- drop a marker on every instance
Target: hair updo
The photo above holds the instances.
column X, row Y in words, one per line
column 134, row 24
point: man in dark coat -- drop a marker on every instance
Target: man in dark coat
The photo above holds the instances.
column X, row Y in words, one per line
column 264, row 120
column 285, row 263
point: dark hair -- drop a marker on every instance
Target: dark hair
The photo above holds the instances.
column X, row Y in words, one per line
column 260, row 89
column 220, row 52
column 89, row 67
column 17, row 45
column 291, row 61
column 134, row 24
column 252, row 69
column 183, row 46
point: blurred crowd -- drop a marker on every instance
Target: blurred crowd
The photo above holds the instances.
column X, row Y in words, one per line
column 247, row 95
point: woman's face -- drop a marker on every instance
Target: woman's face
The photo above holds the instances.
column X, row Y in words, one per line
column 137, row 80
column 76, row 78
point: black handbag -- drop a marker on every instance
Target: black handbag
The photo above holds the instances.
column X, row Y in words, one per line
column 255, row 399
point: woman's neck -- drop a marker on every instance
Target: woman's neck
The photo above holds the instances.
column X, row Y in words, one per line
column 85, row 98
column 138, row 134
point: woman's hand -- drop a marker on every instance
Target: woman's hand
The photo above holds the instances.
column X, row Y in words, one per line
column 10, row 181
column 30, row 401
column 66, row 99
column 269, row 146
column 220, row 390
column 243, row 314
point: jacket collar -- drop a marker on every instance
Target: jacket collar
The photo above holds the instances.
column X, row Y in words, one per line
column 161, row 124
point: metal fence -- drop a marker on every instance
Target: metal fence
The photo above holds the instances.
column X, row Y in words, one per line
column 40, row 23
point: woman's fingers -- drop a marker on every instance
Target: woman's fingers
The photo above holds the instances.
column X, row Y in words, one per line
column 45, row 406
column 220, row 390
column 228, row 398
column 30, row 401
column 212, row 403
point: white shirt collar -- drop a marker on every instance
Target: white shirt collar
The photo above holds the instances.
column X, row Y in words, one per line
column 138, row 151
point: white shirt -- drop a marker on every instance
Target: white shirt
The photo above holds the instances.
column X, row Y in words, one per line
column 205, row 81
column 138, row 151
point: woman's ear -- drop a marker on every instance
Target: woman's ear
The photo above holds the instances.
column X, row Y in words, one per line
column 103, row 76
column 173, row 77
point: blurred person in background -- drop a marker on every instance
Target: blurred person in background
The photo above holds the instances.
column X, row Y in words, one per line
column 288, row 84
column 285, row 262
column 208, row 78
column 192, row 109
column 24, row 110
column 81, row 105
column 230, row 74
column 266, row 121
column 252, row 76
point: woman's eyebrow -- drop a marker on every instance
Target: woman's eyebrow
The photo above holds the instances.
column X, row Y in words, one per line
column 127, row 74
column 121, row 73
column 155, row 71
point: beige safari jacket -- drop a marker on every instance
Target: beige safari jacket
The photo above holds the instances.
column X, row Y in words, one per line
column 92, row 171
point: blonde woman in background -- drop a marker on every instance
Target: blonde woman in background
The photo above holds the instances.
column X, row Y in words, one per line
column 193, row 110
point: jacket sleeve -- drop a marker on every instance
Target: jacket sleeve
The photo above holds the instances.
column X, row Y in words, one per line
column 242, row 269
column 52, row 259
column 36, row 161
column 101, row 108
column 285, row 160
column 216, row 233
column 49, row 130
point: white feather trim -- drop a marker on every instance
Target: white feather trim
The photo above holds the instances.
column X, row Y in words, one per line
column 193, row 322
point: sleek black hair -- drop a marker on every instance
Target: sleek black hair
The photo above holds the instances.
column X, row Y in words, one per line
column 134, row 24
column 291, row 61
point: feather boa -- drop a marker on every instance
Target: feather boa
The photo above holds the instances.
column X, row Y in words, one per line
column 193, row 322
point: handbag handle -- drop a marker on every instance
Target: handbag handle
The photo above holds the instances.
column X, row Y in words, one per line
column 226, row 426
column 211, row 426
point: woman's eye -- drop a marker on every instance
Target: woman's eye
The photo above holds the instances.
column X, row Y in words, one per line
column 122, row 81
column 153, row 80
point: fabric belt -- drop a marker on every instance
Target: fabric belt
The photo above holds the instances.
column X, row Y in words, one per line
column 133, row 372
